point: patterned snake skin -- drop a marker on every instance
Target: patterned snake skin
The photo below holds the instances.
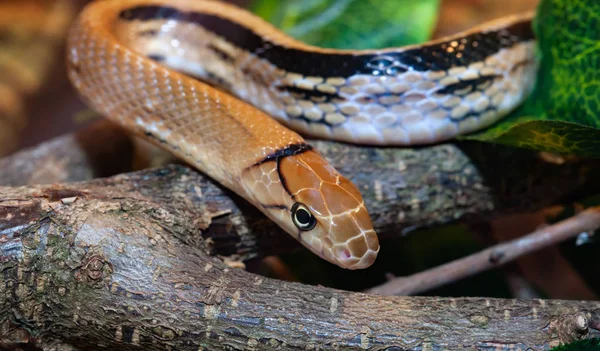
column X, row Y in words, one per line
column 406, row 96
column 142, row 64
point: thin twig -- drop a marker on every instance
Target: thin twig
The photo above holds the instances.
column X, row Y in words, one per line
column 492, row 257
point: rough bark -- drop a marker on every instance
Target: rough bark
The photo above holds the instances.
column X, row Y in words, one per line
column 404, row 188
column 102, row 265
column 74, row 157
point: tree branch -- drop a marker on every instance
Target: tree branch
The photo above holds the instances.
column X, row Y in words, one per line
column 74, row 157
column 492, row 257
column 404, row 188
column 98, row 265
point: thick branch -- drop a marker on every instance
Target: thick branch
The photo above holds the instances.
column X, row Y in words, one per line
column 586, row 221
column 97, row 265
column 71, row 158
column 404, row 188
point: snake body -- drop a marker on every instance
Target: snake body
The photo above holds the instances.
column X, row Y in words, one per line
column 203, row 79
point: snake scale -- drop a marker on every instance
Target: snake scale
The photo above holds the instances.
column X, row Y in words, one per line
column 233, row 96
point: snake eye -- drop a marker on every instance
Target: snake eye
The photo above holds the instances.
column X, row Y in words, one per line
column 302, row 217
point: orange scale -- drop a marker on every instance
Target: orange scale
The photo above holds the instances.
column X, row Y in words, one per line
column 262, row 194
column 358, row 246
column 327, row 243
column 297, row 175
column 372, row 240
column 273, row 176
column 280, row 196
column 314, row 200
column 362, row 218
column 337, row 199
column 320, row 166
column 268, row 168
column 342, row 229
column 348, row 186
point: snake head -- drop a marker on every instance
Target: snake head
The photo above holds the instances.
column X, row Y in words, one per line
column 315, row 204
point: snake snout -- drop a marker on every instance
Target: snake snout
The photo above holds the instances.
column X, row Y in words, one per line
column 356, row 243
column 363, row 262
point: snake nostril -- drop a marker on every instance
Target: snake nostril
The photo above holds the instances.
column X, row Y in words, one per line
column 347, row 253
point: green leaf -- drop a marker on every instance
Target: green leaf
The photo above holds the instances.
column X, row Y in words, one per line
column 352, row 24
column 581, row 345
column 562, row 114
column 554, row 136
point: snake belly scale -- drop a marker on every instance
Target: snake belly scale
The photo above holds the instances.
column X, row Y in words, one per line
column 232, row 95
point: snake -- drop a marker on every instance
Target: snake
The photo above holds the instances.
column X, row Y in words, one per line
column 237, row 98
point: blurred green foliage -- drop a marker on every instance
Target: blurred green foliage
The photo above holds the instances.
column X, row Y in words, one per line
column 581, row 345
column 352, row 24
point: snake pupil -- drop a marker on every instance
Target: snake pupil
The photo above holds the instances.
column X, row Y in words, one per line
column 302, row 217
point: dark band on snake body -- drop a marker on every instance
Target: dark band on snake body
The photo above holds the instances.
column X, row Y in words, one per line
column 278, row 207
column 436, row 57
column 463, row 84
column 290, row 150
column 222, row 54
column 277, row 156
column 306, row 94
column 156, row 58
column 148, row 33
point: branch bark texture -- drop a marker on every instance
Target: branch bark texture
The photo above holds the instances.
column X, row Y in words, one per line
column 99, row 265
column 404, row 188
